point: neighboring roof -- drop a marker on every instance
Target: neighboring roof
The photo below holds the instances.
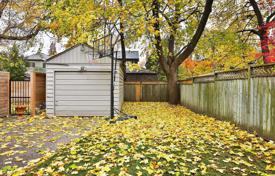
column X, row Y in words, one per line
column 68, row 49
column 37, row 57
column 141, row 72
column 130, row 55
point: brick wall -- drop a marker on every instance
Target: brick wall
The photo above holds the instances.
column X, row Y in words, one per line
column 4, row 93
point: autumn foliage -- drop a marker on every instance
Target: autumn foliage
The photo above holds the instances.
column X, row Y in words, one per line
column 164, row 140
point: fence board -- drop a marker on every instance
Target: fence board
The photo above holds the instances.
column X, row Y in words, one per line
column 145, row 91
column 38, row 87
column 4, row 93
column 248, row 102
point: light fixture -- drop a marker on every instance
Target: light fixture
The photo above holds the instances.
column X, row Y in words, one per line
column 82, row 69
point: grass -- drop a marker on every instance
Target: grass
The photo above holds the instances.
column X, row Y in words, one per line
column 165, row 140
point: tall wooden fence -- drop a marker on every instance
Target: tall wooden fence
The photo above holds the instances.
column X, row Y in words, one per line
column 4, row 93
column 145, row 91
column 245, row 97
column 38, row 91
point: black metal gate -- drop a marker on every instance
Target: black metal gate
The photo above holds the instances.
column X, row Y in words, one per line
column 20, row 96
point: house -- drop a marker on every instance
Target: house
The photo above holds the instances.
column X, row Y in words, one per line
column 79, row 84
column 131, row 56
column 36, row 62
column 141, row 75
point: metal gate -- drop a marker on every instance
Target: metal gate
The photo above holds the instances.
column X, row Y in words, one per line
column 20, row 96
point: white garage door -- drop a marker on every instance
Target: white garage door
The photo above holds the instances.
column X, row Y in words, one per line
column 82, row 93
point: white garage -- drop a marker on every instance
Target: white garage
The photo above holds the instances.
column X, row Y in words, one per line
column 79, row 85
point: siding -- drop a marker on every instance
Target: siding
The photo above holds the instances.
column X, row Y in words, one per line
column 121, row 87
column 79, row 54
column 100, row 69
column 82, row 91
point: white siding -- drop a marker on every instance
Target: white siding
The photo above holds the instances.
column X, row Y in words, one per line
column 78, row 54
column 121, row 87
column 100, row 105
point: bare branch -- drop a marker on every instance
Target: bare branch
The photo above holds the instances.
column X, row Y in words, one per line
column 268, row 19
column 32, row 33
column 3, row 5
column 250, row 30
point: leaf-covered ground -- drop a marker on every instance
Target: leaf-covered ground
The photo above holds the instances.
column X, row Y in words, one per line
column 165, row 140
column 31, row 138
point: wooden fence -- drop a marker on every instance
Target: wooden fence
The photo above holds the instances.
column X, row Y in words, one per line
column 145, row 91
column 245, row 97
column 4, row 93
column 38, row 91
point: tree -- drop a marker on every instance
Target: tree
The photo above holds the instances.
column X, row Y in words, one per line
column 20, row 20
column 52, row 50
column 175, row 56
column 90, row 20
column 11, row 61
column 122, row 40
column 264, row 13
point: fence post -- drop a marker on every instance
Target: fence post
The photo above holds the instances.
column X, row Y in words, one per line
column 138, row 91
column 249, row 88
column 9, row 94
column 33, row 93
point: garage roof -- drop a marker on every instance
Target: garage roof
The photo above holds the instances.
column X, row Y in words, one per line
column 80, row 53
column 84, row 54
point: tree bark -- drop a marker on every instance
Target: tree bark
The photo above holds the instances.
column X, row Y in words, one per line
column 264, row 45
column 173, row 90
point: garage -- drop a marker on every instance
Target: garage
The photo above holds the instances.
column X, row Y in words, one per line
column 82, row 93
column 80, row 86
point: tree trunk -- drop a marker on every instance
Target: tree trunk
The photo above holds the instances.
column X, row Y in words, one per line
column 173, row 91
column 264, row 45
column 122, row 42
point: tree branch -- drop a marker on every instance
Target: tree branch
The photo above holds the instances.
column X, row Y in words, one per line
column 192, row 13
column 191, row 46
column 257, row 12
column 268, row 19
column 3, row 5
column 33, row 33
column 251, row 31
column 157, row 37
column 167, row 19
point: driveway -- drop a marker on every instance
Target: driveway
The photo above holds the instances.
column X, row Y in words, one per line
column 31, row 138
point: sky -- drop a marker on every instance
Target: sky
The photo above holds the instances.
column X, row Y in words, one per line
column 45, row 39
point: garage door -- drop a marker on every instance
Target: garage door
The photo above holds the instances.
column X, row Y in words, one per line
column 82, row 93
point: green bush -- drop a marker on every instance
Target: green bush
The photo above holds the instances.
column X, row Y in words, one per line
column 11, row 61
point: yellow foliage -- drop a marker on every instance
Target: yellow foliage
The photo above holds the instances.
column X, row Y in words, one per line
column 165, row 140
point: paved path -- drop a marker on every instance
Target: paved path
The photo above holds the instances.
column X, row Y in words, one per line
column 31, row 138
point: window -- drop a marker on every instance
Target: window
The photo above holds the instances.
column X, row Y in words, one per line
column 32, row 64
